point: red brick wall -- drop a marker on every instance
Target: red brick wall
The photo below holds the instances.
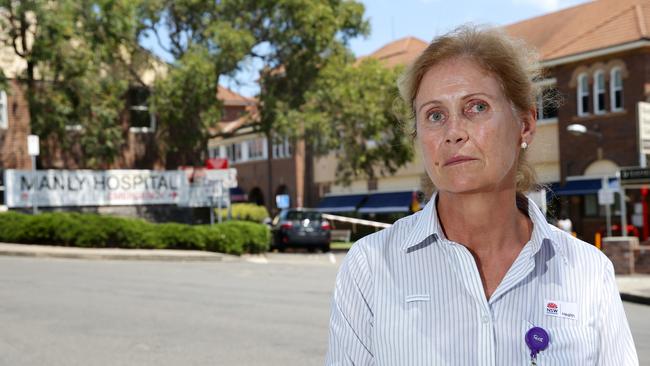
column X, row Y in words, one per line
column 618, row 128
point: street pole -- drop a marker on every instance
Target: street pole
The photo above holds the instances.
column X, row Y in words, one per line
column 608, row 212
column 211, row 210
column 220, row 198
column 623, row 212
column 34, row 201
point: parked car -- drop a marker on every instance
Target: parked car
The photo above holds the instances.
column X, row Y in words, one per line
column 301, row 228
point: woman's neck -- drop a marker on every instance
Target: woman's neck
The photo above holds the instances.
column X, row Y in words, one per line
column 486, row 223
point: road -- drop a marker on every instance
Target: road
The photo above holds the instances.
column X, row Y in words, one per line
column 77, row 312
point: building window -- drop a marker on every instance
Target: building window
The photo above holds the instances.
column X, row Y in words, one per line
column 599, row 92
column 616, row 89
column 591, row 208
column 140, row 118
column 546, row 104
column 257, row 149
column 583, row 95
column 234, row 153
column 214, row 152
column 282, row 149
column 4, row 116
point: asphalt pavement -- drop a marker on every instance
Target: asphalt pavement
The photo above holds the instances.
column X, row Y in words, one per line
column 250, row 310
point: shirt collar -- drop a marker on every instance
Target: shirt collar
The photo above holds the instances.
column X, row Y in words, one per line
column 427, row 227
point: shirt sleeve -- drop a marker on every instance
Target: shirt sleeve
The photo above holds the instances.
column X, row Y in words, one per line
column 616, row 343
column 351, row 319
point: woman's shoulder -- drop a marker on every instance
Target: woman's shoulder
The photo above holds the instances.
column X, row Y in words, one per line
column 379, row 239
column 577, row 251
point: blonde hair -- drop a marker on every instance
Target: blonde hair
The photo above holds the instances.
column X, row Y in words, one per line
column 513, row 64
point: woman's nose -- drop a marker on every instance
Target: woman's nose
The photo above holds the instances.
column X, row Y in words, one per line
column 456, row 131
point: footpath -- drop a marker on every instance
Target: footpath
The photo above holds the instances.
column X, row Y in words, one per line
column 48, row 251
column 633, row 288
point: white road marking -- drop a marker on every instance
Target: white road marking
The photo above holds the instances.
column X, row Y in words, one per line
column 257, row 259
column 332, row 257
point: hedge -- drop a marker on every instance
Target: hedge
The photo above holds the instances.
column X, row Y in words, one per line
column 246, row 212
column 91, row 230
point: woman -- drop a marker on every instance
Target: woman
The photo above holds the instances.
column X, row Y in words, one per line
column 477, row 277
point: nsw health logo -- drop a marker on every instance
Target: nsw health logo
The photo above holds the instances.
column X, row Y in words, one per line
column 552, row 308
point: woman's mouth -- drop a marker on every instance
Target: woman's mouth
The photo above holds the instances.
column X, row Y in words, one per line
column 458, row 159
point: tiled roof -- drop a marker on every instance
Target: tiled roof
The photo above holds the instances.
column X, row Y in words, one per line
column 229, row 127
column 229, row 97
column 399, row 52
column 586, row 27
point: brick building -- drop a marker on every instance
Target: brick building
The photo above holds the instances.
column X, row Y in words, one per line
column 264, row 170
column 597, row 56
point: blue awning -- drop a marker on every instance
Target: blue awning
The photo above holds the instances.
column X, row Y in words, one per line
column 340, row 203
column 388, row 202
column 581, row 187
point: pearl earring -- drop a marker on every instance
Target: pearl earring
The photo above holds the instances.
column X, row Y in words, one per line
column 524, row 145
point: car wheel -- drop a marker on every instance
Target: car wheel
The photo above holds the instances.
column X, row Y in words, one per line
column 325, row 248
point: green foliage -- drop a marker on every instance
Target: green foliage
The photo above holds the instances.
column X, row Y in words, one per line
column 254, row 238
column 85, row 55
column 351, row 109
column 4, row 85
column 80, row 62
column 90, row 230
column 246, row 212
column 210, row 40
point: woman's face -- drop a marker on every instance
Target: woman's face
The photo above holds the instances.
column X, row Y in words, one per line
column 467, row 128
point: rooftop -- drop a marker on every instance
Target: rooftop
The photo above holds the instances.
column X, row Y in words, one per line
column 586, row 27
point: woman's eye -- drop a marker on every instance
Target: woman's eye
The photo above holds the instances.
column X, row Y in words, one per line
column 478, row 107
column 435, row 116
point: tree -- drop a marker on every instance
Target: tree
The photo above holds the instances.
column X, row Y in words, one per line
column 302, row 38
column 292, row 39
column 207, row 40
column 79, row 63
column 354, row 110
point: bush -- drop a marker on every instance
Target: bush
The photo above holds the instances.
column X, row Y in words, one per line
column 91, row 230
column 11, row 225
column 179, row 236
column 246, row 212
column 255, row 238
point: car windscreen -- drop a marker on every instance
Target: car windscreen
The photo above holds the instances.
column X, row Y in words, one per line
column 302, row 215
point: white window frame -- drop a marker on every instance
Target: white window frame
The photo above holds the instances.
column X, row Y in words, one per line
column 152, row 119
column 4, row 108
column 599, row 109
column 252, row 153
column 282, row 149
column 235, row 153
column 580, row 93
column 613, row 89
column 214, row 152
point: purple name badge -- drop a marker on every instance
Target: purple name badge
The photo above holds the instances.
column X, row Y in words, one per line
column 537, row 340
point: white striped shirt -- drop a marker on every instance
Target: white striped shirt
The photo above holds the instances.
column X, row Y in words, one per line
column 408, row 296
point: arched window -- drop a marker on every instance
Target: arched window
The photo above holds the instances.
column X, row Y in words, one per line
column 4, row 119
column 616, row 89
column 583, row 95
column 599, row 92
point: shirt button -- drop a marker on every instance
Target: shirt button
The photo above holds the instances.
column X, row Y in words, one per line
column 486, row 319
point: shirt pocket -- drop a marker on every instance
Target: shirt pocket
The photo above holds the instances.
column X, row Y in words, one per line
column 570, row 345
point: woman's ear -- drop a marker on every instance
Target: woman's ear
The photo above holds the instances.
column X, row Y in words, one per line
column 528, row 125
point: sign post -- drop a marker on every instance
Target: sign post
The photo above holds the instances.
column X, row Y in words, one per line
column 643, row 125
column 606, row 198
column 33, row 149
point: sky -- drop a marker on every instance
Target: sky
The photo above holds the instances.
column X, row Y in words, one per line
column 391, row 20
